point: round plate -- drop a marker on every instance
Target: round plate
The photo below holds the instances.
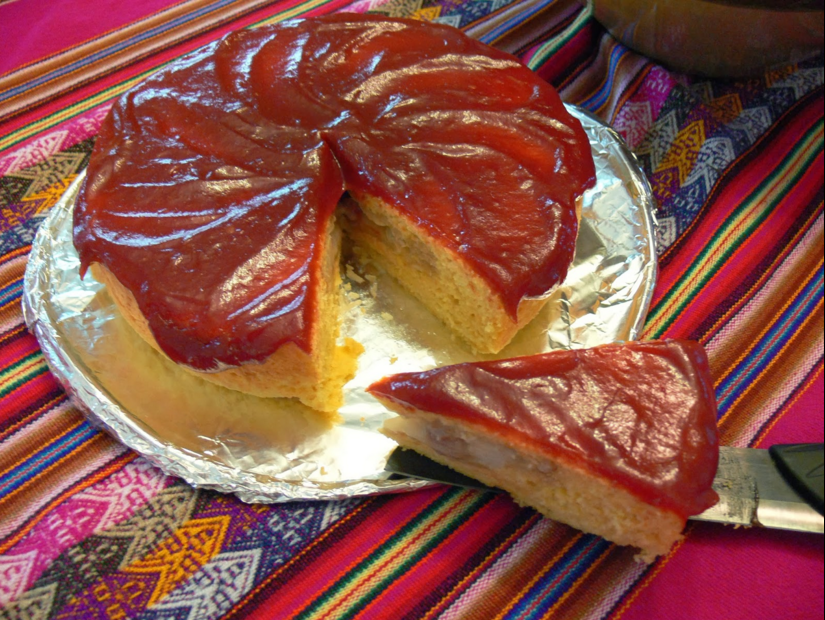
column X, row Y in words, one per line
column 269, row 450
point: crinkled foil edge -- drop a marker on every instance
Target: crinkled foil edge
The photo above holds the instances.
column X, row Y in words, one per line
column 195, row 469
column 108, row 417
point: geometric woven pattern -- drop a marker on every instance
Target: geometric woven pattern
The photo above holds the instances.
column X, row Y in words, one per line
column 89, row 529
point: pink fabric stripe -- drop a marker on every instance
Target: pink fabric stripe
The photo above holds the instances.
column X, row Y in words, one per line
column 26, row 391
column 464, row 540
column 110, row 501
column 489, row 577
column 513, row 557
column 786, row 568
column 105, row 452
column 38, row 429
column 64, row 135
column 630, row 575
column 36, row 29
column 807, row 422
column 776, row 402
column 750, row 314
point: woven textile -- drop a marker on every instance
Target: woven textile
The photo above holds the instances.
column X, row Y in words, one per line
column 88, row 529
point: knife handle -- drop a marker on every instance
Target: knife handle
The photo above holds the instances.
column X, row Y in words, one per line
column 802, row 467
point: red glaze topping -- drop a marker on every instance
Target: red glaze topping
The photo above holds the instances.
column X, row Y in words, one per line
column 642, row 414
column 213, row 181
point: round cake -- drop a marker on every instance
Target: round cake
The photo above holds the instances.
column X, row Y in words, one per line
column 209, row 207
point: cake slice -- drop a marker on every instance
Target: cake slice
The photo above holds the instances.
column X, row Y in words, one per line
column 618, row 440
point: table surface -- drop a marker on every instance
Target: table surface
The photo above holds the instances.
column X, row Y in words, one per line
column 90, row 529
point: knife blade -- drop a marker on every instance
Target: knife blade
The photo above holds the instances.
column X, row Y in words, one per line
column 780, row 488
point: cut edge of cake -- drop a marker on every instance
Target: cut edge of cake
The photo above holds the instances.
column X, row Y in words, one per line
column 558, row 489
column 451, row 290
column 316, row 378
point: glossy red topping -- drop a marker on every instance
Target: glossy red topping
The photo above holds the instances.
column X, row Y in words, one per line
column 213, row 181
column 642, row 414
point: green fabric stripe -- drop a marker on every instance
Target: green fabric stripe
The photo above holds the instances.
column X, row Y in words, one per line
column 38, row 368
column 398, row 540
column 548, row 48
column 77, row 108
column 421, row 552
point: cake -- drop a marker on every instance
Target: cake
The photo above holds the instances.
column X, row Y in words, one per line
column 211, row 203
column 618, row 440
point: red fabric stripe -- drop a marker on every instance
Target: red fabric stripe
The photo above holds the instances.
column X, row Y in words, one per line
column 572, row 58
column 35, row 387
column 15, row 344
column 761, row 271
column 466, row 577
column 439, row 566
column 763, row 241
column 30, row 395
column 333, row 555
column 31, row 412
column 175, row 50
column 19, row 400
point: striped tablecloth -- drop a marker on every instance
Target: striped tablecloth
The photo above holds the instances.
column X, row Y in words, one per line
column 88, row 529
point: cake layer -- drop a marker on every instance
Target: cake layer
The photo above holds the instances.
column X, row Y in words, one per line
column 437, row 276
column 637, row 418
column 316, row 380
column 558, row 490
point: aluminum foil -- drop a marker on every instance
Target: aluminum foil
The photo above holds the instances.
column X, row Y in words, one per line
column 273, row 450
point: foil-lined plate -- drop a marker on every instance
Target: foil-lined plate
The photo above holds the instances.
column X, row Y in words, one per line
column 274, row 450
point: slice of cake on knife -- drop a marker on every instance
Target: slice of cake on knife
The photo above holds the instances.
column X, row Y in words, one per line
column 618, row 440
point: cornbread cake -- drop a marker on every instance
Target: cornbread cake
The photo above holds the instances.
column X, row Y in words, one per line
column 209, row 207
column 619, row 440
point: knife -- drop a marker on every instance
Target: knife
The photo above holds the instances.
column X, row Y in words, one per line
column 780, row 488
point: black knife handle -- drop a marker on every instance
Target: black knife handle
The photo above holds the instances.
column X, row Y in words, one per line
column 802, row 467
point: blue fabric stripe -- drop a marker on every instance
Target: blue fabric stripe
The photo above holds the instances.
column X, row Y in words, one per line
column 599, row 97
column 17, row 477
column 771, row 343
column 545, row 593
column 11, row 292
column 512, row 23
